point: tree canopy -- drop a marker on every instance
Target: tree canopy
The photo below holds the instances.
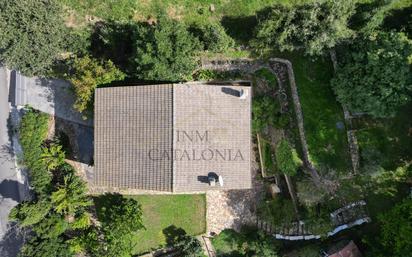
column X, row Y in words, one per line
column 315, row 27
column 396, row 230
column 32, row 34
column 120, row 218
column 165, row 50
column 374, row 75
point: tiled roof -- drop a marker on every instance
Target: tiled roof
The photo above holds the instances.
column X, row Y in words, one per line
column 170, row 137
column 129, row 121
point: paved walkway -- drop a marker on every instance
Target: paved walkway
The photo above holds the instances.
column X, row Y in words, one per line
column 52, row 96
column 10, row 181
column 233, row 209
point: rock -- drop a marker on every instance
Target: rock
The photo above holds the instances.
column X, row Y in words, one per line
column 212, row 8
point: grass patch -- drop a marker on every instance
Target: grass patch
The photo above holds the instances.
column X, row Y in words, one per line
column 268, row 157
column 268, row 76
column 188, row 11
column 187, row 212
column 321, row 112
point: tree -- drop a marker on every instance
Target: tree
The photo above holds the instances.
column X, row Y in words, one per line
column 71, row 196
column 286, row 158
column 189, row 246
column 38, row 247
column 32, row 34
column 374, row 74
column 316, row 26
column 53, row 156
column 86, row 74
column 165, row 51
column 120, row 218
column 396, row 230
column 213, row 37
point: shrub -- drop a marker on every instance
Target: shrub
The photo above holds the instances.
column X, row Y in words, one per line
column 266, row 112
column 287, row 159
column 32, row 133
column 53, row 156
column 86, row 74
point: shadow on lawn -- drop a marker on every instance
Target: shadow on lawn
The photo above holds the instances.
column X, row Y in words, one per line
column 173, row 234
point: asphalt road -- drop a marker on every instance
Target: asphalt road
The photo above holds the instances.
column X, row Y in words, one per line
column 9, row 184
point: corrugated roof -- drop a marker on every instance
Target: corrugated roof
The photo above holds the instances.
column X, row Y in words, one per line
column 170, row 137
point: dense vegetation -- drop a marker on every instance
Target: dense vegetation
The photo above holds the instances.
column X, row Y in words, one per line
column 32, row 35
column 59, row 215
column 250, row 243
column 314, row 27
column 375, row 74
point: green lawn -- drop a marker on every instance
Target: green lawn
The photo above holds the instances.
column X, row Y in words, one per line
column 187, row 212
column 321, row 112
column 194, row 10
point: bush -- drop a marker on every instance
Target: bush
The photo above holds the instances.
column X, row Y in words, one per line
column 213, row 36
column 86, row 74
column 32, row 35
column 32, row 133
column 287, row 159
column 266, row 112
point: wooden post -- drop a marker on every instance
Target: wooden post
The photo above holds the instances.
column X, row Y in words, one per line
column 262, row 168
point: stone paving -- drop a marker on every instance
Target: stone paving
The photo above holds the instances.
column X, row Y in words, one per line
column 233, row 209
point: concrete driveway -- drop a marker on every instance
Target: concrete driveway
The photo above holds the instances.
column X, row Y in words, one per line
column 9, row 179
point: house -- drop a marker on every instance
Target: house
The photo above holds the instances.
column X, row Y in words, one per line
column 343, row 249
column 187, row 137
